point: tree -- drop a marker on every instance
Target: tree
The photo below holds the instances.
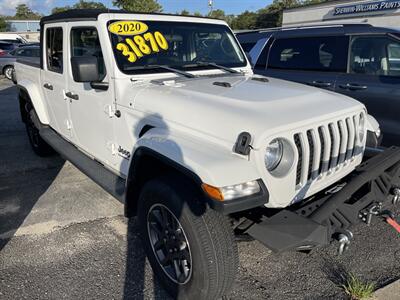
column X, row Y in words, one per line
column 82, row 4
column 197, row 14
column 146, row 6
column 22, row 11
column 271, row 16
column 246, row 20
column 3, row 24
column 217, row 14
column 184, row 13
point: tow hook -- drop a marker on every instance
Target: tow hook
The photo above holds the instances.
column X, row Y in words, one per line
column 344, row 238
column 396, row 196
column 366, row 214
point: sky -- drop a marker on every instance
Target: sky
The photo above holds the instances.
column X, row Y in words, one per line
column 7, row 7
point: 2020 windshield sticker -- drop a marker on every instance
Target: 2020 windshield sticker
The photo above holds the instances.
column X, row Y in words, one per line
column 138, row 41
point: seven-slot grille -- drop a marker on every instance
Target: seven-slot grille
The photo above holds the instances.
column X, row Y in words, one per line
column 325, row 147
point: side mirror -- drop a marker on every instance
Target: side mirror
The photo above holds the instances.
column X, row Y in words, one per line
column 85, row 68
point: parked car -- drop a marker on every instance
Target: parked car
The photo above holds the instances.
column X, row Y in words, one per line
column 164, row 112
column 6, row 47
column 12, row 38
column 28, row 54
column 357, row 60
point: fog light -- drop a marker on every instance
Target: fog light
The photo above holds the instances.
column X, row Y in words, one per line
column 232, row 191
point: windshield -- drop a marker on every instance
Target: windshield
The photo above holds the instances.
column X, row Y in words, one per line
column 180, row 45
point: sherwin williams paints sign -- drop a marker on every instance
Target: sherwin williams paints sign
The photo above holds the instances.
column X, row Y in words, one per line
column 367, row 7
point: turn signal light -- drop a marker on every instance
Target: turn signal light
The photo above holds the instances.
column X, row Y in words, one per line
column 213, row 192
column 231, row 192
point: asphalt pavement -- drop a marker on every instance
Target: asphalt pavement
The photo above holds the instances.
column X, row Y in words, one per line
column 63, row 237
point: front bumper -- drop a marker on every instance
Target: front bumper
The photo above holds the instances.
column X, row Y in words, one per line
column 332, row 211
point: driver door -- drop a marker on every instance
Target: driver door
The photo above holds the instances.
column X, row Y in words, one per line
column 91, row 109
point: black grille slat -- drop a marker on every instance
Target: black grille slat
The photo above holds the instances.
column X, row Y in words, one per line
column 300, row 152
column 311, row 145
column 321, row 137
column 332, row 137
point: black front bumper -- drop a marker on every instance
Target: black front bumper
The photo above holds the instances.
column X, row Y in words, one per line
column 334, row 211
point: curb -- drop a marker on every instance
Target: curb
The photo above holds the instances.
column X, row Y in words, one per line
column 389, row 292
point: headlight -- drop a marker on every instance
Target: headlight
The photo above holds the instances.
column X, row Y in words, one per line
column 361, row 128
column 273, row 154
column 232, row 191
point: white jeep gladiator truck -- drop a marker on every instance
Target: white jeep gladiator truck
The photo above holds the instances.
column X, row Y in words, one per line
column 165, row 114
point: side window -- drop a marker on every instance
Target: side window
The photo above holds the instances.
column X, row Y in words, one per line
column 25, row 52
column 326, row 54
column 248, row 46
column 85, row 42
column 19, row 52
column 375, row 55
column 54, row 49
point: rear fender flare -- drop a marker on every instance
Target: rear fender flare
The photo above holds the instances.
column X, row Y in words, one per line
column 36, row 98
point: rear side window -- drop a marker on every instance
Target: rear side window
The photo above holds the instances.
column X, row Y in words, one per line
column 54, row 49
column 375, row 55
column 7, row 47
column 326, row 54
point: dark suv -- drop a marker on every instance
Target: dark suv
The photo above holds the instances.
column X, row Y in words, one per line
column 358, row 60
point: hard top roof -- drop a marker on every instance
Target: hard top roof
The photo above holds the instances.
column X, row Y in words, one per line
column 322, row 28
column 93, row 14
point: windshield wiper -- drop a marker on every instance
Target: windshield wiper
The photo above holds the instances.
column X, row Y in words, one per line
column 210, row 64
column 173, row 70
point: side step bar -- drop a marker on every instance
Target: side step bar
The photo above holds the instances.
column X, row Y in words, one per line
column 109, row 181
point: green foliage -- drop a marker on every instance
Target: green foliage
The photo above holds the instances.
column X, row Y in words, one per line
column 246, row 20
column 357, row 289
column 146, row 6
column 3, row 24
column 23, row 12
column 82, row 4
column 217, row 14
column 185, row 13
column 270, row 16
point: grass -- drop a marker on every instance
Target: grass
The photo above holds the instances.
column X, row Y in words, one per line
column 357, row 289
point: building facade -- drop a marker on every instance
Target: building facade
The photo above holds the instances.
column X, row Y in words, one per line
column 23, row 25
column 378, row 13
column 28, row 29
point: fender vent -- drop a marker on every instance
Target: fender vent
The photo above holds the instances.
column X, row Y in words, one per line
column 223, row 84
column 260, row 79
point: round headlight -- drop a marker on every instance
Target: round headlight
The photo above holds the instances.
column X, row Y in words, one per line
column 361, row 128
column 273, row 154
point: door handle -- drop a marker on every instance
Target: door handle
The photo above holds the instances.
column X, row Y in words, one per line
column 353, row 86
column 72, row 95
column 321, row 84
column 48, row 86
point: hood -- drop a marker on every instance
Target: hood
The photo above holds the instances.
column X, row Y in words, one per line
column 224, row 106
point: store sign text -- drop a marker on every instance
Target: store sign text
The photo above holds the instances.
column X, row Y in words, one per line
column 367, row 7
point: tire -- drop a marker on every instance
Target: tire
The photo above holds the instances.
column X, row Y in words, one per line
column 7, row 71
column 39, row 146
column 208, row 251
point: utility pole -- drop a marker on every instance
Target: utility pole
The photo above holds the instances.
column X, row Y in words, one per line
column 211, row 5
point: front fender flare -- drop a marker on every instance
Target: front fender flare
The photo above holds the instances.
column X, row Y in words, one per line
column 212, row 163
column 196, row 161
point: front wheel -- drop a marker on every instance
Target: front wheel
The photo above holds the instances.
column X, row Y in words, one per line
column 190, row 247
column 8, row 72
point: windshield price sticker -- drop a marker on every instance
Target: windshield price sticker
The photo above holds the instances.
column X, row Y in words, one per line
column 140, row 42
column 128, row 28
column 140, row 45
